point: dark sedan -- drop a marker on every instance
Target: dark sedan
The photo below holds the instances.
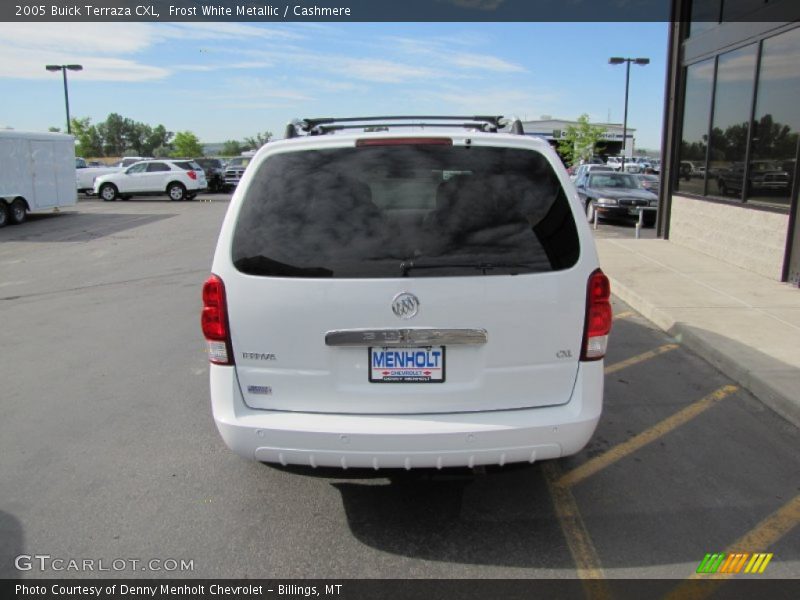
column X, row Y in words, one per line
column 617, row 195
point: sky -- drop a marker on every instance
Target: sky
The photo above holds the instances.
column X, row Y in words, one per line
column 225, row 81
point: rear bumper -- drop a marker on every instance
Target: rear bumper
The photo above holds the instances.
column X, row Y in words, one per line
column 407, row 441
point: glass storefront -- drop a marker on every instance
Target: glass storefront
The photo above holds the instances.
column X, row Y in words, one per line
column 736, row 158
column 777, row 121
column 694, row 138
column 732, row 100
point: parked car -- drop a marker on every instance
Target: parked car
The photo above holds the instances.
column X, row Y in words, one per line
column 406, row 300
column 617, row 195
column 127, row 161
column 651, row 183
column 235, row 169
column 178, row 179
column 85, row 176
column 585, row 169
column 214, row 170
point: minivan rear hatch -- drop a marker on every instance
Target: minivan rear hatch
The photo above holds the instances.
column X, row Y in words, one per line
column 405, row 277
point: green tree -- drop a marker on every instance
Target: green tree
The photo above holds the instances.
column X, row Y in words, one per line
column 187, row 145
column 114, row 134
column 90, row 143
column 231, row 148
column 579, row 141
column 158, row 137
column 54, row 129
column 255, row 142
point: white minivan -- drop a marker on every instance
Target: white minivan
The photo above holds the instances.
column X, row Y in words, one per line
column 405, row 297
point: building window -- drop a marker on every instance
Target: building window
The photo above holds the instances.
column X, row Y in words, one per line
column 694, row 137
column 733, row 99
column 774, row 136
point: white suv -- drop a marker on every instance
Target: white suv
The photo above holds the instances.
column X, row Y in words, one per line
column 178, row 179
column 406, row 299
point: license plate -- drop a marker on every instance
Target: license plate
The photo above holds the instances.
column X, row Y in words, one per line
column 634, row 211
column 406, row 365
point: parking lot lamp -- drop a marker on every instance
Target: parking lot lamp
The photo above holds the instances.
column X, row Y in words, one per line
column 63, row 69
column 618, row 60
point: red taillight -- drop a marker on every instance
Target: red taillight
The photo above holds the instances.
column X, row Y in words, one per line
column 192, row 175
column 405, row 141
column 214, row 321
column 598, row 317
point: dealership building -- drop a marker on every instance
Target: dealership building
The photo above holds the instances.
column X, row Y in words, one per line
column 731, row 143
column 553, row 130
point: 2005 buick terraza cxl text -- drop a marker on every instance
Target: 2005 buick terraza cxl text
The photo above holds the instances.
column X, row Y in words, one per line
column 412, row 297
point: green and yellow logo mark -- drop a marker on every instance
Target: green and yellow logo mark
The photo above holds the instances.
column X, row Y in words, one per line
column 734, row 563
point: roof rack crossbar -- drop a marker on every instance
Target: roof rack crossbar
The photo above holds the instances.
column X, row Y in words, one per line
column 309, row 124
column 322, row 129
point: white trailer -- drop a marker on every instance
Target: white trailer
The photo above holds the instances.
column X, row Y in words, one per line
column 37, row 174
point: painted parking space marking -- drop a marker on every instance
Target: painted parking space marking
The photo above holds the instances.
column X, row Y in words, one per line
column 648, row 436
column 625, row 314
column 580, row 544
column 639, row 358
column 762, row 536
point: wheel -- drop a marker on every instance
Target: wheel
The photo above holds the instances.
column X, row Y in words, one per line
column 3, row 213
column 108, row 192
column 590, row 210
column 17, row 212
column 176, row 191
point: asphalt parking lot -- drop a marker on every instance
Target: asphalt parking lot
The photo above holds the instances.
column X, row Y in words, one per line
column 109, row 449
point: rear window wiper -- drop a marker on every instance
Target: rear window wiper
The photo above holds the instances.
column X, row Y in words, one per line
column 407, row 265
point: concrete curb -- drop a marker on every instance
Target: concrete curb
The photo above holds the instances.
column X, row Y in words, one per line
column 783, row 401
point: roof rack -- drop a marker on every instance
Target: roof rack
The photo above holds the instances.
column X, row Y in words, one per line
column 321, row 126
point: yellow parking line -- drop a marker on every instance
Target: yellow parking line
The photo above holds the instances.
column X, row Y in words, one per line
column 758, row 539
column 638, row 441
column 624, row 314
column 580, row 544
column 640, row 358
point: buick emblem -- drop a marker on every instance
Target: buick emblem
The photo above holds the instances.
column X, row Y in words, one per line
column 405, row 305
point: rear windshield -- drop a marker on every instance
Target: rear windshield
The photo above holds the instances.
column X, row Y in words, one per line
column 404, row 211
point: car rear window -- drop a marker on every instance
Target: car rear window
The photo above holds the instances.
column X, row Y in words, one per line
column 404, row 211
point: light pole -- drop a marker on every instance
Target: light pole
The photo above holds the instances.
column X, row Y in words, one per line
column 618, row 60
column 63, row 69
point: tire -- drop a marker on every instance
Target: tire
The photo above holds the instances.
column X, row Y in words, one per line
column 176, row 192
column 108, row 192
column 590, row 210
column 17, row 212
column 3, row 213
